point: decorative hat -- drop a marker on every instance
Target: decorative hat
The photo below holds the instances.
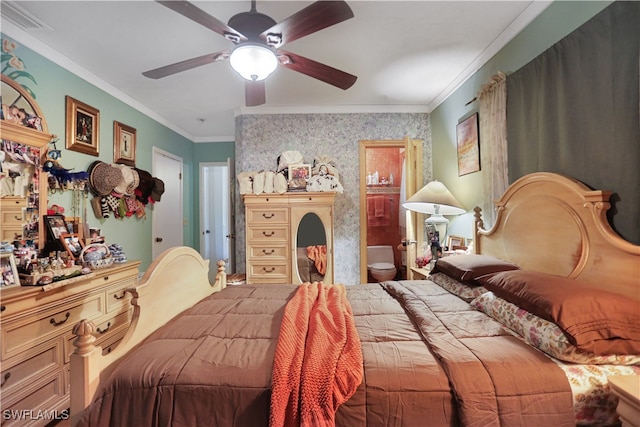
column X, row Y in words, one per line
column 130, row 180
column 103, row 178
column 157, row 190
column 145, row 186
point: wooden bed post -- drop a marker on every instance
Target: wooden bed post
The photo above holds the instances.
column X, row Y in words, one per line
column 478, row 225
column 83, row 364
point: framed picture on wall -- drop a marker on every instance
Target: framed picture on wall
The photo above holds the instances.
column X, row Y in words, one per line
column 468, row 145
column 124, row 144
column 82, row 127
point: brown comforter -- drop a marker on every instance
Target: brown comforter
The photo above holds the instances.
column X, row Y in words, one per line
column 429, row 360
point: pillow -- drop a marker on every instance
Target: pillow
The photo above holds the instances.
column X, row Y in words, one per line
column 450, row 284
column 542, row 334
column 594, row 320
column 467, row 268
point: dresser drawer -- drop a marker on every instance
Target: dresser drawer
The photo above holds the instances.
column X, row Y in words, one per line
column 105, row 330
column 31, row 366
column 268, row 216
column 11, row 216
column 118, row 298
column 267, row 252
column 11, row 233
column 265, row 234
column 25, row 332
column 30, row 406
column 267, row 273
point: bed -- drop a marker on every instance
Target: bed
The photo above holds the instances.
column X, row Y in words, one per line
column 450, row 350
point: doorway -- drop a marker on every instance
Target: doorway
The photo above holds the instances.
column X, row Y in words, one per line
column 390, row 173
column 217, row 218
column 167, row 219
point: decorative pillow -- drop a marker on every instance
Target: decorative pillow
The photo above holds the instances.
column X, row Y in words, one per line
column 594, row 320
column 463, row 291
column 542, row 334
column 468, row 267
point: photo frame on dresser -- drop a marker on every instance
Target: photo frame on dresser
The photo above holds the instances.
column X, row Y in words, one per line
column 56, row 226
column 73, row 244
column 8, row 270
column 299, row 175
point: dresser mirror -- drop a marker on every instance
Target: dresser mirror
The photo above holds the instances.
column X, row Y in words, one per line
column 22, row 181
column 311, row 248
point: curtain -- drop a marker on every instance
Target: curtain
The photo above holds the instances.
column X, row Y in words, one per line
column 574, row 110
column 492, row 102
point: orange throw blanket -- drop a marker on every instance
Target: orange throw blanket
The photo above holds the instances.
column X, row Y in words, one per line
column 318, row 359
column 318, row 254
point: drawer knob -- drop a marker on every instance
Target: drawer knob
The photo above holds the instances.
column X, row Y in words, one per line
column 269, row 252
column 17, row 218
column 5, row 378
column 102, row 331
column 268, row 234
column 116, row 296
column 56, row 323
column 269, row 269
column 268, row 216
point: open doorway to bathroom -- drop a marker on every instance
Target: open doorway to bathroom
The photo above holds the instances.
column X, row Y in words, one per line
column 390, row 172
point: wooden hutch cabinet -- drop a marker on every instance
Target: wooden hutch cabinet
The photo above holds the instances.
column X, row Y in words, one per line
column 279, row 227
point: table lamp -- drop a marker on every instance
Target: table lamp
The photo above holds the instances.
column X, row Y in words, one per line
column 436, row 200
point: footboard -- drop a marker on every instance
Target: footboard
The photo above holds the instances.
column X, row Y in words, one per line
column 175, row 281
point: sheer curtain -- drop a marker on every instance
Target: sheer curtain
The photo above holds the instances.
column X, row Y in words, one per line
column 492, row 101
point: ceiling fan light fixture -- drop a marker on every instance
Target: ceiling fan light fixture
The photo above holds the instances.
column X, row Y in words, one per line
column 253, row 61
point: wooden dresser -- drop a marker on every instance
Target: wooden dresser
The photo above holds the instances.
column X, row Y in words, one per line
column 272, row 226
column 37, row 340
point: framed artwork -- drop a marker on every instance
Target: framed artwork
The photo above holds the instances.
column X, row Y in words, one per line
column 124, row 144
column 8, row 271
column 83, row 127
column 56, row 226
column 299, row 175
column 468, row 145
column 72, row 244
column 455, row 242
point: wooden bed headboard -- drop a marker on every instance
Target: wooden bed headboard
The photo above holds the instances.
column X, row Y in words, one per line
column 555, row 224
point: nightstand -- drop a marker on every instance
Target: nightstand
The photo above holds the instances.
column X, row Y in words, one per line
column 627, row 389
column 420, row 273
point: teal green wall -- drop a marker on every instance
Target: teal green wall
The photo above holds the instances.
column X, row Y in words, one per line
column 53, row 84
column 557, row 21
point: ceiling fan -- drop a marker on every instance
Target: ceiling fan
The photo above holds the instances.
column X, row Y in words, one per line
column 258, row 39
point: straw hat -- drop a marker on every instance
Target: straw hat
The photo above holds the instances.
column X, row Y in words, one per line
column 129, row 182
column 103, row 178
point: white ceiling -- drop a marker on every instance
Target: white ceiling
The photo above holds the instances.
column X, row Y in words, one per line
column 408, row 55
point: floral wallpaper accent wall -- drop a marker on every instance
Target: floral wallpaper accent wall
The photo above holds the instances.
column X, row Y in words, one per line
column 260, row 139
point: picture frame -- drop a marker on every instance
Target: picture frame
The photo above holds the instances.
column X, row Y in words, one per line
column 455, row 242
column 82, row 127
column 299, row 175
column 8, row 271
column 124, row 144
column 72, row 243
column 56, row 226
column 468, row 145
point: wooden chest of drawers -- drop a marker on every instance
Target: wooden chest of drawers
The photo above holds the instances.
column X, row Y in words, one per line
column 37, row 339
column 272, row 234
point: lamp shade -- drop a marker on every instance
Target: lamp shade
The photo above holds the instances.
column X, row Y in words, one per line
column 253, row 61
column 434, row 198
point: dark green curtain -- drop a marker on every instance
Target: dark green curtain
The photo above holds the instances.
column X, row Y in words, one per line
column 575, row 110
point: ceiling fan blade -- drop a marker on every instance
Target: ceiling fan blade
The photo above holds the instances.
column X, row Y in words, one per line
column 188, row 64
column 315, row 17
column 314, row 69
column 198, row 15
column 254, row 93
